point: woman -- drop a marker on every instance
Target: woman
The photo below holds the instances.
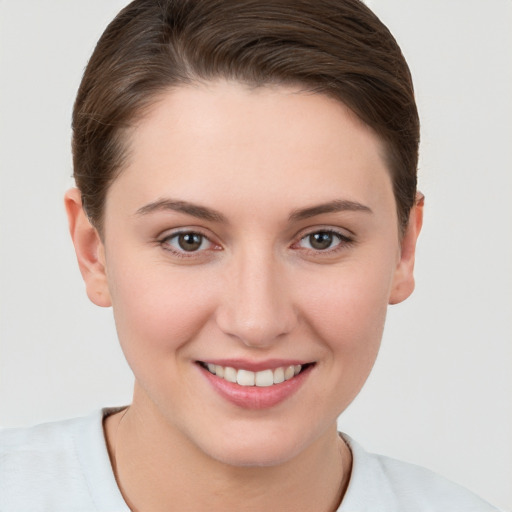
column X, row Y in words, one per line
column 246, row 202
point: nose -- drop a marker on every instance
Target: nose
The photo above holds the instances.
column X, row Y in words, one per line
column 256, row 306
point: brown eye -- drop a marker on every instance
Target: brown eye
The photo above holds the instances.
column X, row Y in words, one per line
column 321, row 240
column 324, row 241
column 186, row 242
column 190, row 241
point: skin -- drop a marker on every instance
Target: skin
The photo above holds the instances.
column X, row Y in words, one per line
column 255, row 290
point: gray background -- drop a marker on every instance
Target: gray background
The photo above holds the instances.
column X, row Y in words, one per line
column 440, row 394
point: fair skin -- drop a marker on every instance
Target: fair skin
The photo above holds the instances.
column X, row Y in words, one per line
column 254, row 229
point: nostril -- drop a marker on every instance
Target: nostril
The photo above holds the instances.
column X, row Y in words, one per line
column 256, row 328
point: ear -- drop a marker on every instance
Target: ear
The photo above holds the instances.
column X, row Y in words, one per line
column 89, row 249
column 403, row 280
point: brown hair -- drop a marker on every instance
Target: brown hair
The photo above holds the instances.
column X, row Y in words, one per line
column 334, row 47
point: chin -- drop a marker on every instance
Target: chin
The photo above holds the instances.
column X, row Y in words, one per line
column 257, row 456
column 256, row 448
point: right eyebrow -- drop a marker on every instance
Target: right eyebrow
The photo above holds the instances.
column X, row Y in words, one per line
column 338, row 205
column 195, row 210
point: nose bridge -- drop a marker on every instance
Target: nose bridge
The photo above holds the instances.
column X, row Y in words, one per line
column 257, row 307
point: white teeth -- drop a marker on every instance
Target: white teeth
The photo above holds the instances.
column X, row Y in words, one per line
column 289, row 372
column 230, row 374
column 278, row 375
column 262, row 378
column 245, row 378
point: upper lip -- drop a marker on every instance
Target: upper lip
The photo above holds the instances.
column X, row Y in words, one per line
column 256, row 366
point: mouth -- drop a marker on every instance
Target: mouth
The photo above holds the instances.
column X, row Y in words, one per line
column 264, row 378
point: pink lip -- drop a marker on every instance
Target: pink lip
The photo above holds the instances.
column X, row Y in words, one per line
column 254, row 397
column 256, row 366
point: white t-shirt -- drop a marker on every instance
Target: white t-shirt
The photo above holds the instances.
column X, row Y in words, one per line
column 65, row 467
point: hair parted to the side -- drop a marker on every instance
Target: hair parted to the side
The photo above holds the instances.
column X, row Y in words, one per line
column 334, row 47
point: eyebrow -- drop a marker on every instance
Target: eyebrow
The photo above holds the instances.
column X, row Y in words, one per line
column 204, row 213
column 201, row 212
column 338, row 205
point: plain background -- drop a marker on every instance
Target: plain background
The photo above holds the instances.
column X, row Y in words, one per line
column 440, row 394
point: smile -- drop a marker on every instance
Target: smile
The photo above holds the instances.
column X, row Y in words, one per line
column 263, row 378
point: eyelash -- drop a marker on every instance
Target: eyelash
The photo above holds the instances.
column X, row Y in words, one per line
column 343, row 242
column 164, row 242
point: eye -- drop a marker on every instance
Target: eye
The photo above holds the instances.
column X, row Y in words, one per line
column 186, row 241
column 323, row 240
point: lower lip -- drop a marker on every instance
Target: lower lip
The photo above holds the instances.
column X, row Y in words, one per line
column 255, row 397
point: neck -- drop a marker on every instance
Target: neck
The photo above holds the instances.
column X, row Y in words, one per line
column 157, row 469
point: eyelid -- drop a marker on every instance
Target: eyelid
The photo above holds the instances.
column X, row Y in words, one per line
column 170, row 232
column 344, row 233
column 345, row 239
column 167, row 235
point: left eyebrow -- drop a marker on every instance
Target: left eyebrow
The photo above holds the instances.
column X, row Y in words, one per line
column 338, row 205
column 195, row 210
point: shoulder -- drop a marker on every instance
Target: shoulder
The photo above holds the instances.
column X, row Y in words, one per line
column 385, row 484
column 55, row 466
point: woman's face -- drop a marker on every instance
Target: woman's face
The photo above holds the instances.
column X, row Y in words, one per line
column 256, row 230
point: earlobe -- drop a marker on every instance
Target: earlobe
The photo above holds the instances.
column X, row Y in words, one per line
column 403, row 280
column 89, row 250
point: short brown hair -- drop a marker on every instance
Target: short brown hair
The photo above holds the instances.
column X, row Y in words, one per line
column 334, row 47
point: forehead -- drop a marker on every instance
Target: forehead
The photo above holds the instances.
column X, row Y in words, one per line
column 265, row 144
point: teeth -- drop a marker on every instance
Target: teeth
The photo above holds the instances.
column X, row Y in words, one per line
column 289, row 372
column 263, row 378
column 230, row 374
column 245, row 378
column 278, row 375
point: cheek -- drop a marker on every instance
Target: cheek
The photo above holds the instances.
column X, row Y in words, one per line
column 157, row 309
column 349, row 312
